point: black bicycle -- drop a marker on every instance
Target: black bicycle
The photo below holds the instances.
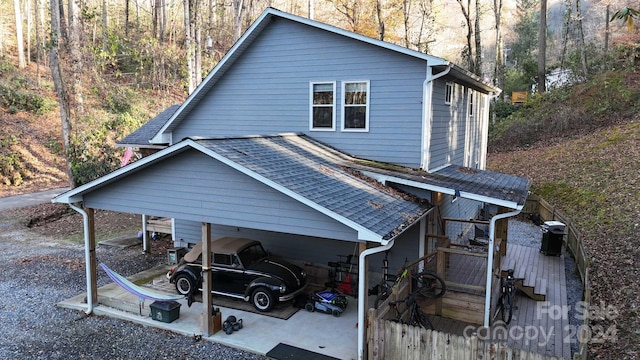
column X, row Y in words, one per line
column 416, row 316
column 507, row 296
column 426, row 284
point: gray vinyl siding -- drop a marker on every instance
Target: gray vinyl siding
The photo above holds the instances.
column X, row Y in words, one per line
column 193, row 186
column 448, row 130
column 307, row 249
column 266, row 91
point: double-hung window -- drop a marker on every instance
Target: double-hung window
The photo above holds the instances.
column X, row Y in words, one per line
column 355, row 112
column 323, row 106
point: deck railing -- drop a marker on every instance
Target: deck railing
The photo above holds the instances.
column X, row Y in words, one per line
column 574, row 244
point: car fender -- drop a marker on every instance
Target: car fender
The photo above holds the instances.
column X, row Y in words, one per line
column 191, row 271
column 272, row 284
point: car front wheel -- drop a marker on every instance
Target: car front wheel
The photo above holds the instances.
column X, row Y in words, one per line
column 184, row 284
column 262, row 299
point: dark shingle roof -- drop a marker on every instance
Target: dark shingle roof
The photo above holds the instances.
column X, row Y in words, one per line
column 497, row 188
column 147, row 131
column 317, row 173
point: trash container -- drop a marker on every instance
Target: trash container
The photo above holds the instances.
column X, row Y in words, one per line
column 553, row 233
column 165, row 311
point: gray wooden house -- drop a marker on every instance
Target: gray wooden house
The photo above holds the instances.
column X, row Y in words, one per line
column 318, row 142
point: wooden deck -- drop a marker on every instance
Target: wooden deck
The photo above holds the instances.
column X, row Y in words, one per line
column 537, row 326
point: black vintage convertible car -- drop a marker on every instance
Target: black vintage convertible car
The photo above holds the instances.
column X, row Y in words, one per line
column 242, row 269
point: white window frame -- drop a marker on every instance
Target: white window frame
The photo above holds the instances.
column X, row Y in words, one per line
column 312, row 106
column 449, row 89
column 367, row 106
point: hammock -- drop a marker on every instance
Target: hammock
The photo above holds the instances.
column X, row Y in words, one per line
column 134, row 289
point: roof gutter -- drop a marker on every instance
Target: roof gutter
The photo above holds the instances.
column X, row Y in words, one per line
column 492, row 235
column 87, row 256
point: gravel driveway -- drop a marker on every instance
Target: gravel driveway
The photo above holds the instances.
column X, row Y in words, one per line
column 38, row 272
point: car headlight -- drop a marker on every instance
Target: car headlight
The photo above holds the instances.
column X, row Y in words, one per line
column 283, row 288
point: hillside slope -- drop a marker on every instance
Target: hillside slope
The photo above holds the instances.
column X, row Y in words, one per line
column 595, row 180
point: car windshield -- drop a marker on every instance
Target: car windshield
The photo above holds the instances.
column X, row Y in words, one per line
column 252, row 254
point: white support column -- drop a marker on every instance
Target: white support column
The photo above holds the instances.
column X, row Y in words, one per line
column 145, row 235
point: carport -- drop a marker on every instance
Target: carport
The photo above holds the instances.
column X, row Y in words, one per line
column 286, row 183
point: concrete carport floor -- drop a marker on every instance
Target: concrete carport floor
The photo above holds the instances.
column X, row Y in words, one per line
column 313, row 331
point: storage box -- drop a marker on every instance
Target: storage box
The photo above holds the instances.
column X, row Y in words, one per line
column 165, row 311
column 175, row 254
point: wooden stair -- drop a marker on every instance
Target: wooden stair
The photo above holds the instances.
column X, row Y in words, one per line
column 527, row 281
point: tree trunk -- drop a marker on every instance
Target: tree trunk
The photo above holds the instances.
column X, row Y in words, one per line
column 27, row 9
column 188, row 45
column 606, row 29
column 468, row 55
column 105, row 22
column 76, row 65
column 498, row 71
column 58, row 82
column 38, row 47
column 126, row 18
column 22, row 63
column 476, row 33
column 63, row 24
column 542, row 48
column 238, row 14
column 583, row 51
column 197, row 34
column 380, row 21
column 406, row 12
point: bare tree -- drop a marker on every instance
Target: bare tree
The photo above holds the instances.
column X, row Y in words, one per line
column 380, row 19
column 477, row 69
column 498, row 71
column 22, row 63
column 581, row 44
column 468, row 53
column 59, row 84
column 542, row 47
column 76, row 68
column 238, row 14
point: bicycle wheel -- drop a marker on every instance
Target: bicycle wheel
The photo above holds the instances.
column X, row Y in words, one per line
column 423, row 319
column 507, row 309
column 429, row 285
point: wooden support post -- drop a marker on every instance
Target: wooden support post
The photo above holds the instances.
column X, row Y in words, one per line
column 441, row 259
column 502, row 227
column 93, row 265
column 207, row 297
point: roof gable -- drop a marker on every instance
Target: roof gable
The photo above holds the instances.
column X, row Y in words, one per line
column 163, row 136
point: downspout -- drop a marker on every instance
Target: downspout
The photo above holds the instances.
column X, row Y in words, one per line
column 87, row 256
column 492, row 235
column 362, row 290
column 427, row 89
